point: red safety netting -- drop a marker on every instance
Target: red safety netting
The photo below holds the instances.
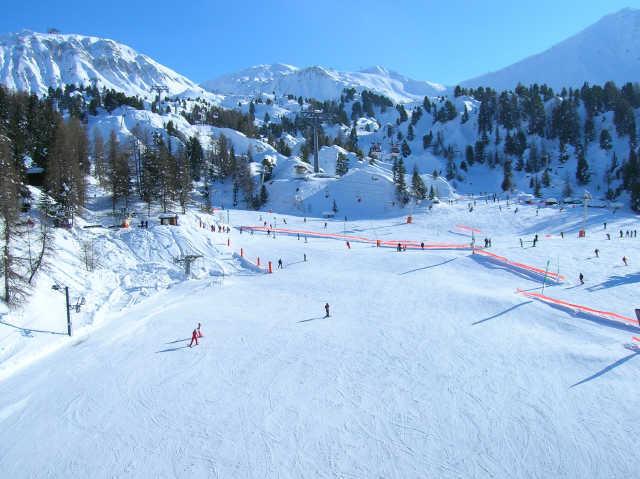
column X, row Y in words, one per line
column 409, row 244
column 577, row 307
column 555, row 277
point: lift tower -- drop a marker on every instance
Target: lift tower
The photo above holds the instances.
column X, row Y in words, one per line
column 315, row 118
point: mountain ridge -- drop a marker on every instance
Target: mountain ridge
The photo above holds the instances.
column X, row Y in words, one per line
column 33, row 62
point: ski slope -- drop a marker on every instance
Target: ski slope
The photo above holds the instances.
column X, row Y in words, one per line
column 431, row 364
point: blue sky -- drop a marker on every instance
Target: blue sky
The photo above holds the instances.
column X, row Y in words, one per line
column 444, row 41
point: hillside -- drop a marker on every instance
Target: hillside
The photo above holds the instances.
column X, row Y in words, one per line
column 607, row 50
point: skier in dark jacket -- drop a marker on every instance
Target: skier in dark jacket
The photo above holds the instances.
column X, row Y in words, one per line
column 326, row 308
column 581, row 278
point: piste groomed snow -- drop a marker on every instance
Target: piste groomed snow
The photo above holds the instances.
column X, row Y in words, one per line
column 433, row 363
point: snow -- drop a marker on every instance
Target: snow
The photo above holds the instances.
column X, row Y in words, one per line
column 33, row 62
column 430, row 365
column 608, row 50
column 321, row 83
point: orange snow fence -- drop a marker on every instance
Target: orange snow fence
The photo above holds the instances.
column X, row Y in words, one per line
column 579, row 308
column 362, row 239
column 552, row 277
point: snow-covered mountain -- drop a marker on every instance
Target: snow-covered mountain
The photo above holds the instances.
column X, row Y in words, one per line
column 33, row 62
column 321, row 83
column 607, row 50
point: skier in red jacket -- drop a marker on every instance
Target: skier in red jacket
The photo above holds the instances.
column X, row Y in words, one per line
column 194, row 337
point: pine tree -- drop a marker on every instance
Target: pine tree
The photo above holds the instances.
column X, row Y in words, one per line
column 605, row 140
column 401, row 186
column 406, row 151
column 537, row 192
column 342, row 164
column 469, row 155
column 582, row 169
column 507, row 183
column 451, row 168
column 264, row 195
column 417, row 184
column 567, row 191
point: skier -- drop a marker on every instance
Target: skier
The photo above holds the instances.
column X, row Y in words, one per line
column 608, row 236
column 280, row 263
column 422, row 245
column 597, row 252
column 624, row 260
column 194, row 338
column 199, row 331
column 348, row 245
column 325, row 225
column 305, row 257
column 581, row 278
column 535, row 240
column 562, row 234
column 399, row 247
column 326, row 308
column 605, row 225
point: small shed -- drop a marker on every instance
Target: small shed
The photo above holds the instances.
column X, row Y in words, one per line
column 169, row 219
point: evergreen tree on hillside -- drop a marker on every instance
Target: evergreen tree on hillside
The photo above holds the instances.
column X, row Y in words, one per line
column 417, row 184
column 406, row 151
column 410, row 133
column 605, row 140
column 469, row 155
column 582, row 169
column 401, row 185
column 624, row 119
column 507, row 178
column 342, row 164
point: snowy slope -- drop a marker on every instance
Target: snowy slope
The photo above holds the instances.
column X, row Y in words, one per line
column 430, row 366
column 607, row 50
column 35, row 61
column 321, row 83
